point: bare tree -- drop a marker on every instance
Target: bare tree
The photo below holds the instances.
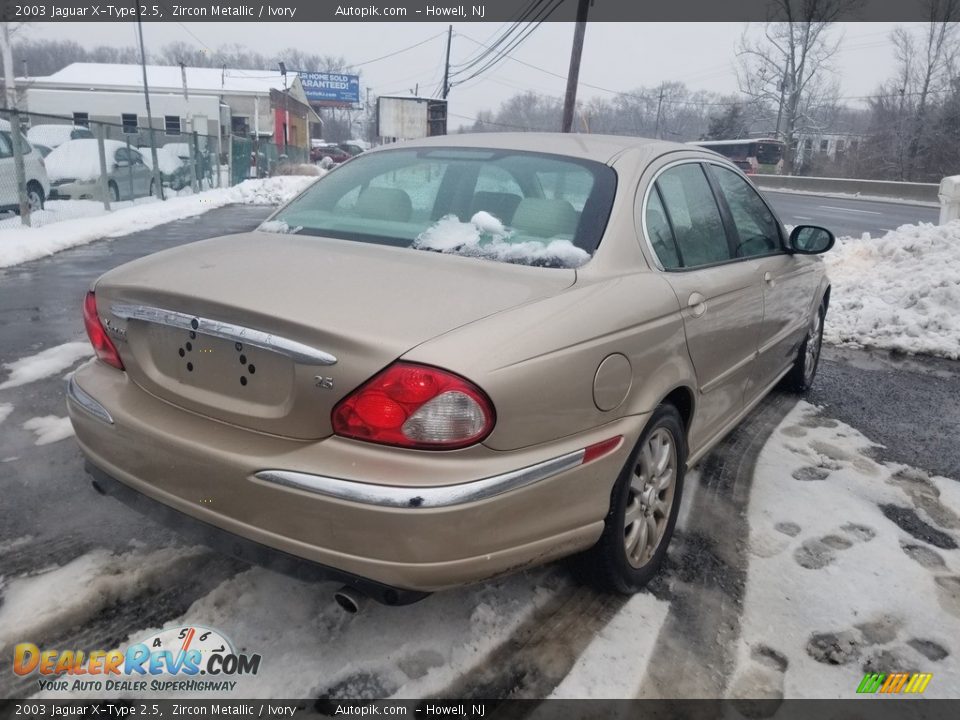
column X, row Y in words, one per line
column 932, row 74
column 790, row 66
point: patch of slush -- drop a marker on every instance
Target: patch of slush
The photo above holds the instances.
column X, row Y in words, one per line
column 5, row 410
column 49, row 429
column 48, row 362
column 68, row 595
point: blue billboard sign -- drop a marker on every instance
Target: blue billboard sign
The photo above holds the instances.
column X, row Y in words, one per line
column 331, row 87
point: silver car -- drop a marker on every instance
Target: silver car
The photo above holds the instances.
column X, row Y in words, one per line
column 74, row 169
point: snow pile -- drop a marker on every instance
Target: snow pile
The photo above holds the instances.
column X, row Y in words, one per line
column 487, row 237
column 80, row 159
column 898, row 292
column 853, row 568
column 46, row 363
column 20, row 244
column 5, row 410
column 49, row 429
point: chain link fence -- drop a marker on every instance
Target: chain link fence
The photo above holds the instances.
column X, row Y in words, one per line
column 57, row 167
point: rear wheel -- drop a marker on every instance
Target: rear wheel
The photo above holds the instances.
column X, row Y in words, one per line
column 643, row 508
column 804, row 370
column 34, row 196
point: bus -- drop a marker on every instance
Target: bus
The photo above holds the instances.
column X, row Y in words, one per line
column 752, row 155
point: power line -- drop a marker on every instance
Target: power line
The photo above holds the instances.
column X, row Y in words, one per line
column 397, row 52
column 499, row 55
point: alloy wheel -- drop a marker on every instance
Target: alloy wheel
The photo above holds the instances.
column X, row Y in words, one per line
column 651, row 497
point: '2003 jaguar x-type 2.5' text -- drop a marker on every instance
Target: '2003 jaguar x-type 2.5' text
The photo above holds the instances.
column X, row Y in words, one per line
column 453, row 358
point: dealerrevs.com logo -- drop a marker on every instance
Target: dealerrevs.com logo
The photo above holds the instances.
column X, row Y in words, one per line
column 180, row 659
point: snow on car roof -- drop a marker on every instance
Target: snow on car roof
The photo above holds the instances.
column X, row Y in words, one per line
column 79, row 159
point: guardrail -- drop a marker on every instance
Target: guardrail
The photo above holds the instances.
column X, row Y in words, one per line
column 910, row 191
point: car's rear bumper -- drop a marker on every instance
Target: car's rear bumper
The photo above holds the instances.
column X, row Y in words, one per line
column 445, row 537
column 242, row 548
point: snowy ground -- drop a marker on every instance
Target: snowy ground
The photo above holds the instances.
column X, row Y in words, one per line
column 85, row 221
column 853, row 568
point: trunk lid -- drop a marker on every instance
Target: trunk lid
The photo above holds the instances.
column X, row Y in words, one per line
column 242, row 328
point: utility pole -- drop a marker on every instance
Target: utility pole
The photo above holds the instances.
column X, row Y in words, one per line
column 8, row 80
column 446, row 67
column 573, row 75
column 659, row 107
column 146, row 97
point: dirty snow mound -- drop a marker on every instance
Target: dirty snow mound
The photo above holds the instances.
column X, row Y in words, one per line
column 897, row 292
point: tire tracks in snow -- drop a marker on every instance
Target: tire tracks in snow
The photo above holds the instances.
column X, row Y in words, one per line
column 705, row 575
column 112, row 625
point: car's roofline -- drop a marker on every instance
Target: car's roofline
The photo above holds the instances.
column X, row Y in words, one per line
column 601, row 148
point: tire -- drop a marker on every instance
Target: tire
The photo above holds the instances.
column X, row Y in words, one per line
column 35, row 197
column 114, row 191
column 804, row 371
column 622, row 560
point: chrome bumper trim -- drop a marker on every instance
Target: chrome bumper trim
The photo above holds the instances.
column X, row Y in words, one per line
column 422, row 497
column 85, row 401
column 296, row 351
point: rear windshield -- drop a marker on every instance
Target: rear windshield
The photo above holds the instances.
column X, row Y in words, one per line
column 519, row 207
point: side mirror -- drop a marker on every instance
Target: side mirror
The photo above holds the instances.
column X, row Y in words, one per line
column 811, row 240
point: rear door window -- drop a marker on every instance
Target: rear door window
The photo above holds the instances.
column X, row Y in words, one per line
column 694, row 215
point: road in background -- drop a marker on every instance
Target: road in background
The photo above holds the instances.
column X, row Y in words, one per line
column 845, row 216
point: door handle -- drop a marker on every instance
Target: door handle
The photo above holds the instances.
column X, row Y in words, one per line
column 697, row 304
column 769, row 279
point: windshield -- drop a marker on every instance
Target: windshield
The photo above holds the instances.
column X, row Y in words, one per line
column 518, row 207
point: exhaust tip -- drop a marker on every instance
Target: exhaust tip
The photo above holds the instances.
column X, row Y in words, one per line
column 348, row 599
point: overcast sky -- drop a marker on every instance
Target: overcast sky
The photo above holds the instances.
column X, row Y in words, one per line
column 617, row 56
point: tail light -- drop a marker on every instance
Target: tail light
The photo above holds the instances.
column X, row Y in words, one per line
column 101, row 342
column 416, row 406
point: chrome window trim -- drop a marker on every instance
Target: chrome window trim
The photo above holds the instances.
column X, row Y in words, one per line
column 416, row 498
column 700, row 161
column 296, row 351
column 85, row 401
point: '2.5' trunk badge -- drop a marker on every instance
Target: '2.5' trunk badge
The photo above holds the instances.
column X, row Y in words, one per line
column 326, row 383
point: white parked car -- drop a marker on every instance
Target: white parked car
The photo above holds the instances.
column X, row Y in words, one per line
column 38, row 185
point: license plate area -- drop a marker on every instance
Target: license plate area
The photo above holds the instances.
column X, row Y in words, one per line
column 222, row 367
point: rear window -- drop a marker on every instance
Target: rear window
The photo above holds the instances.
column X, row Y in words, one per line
column 519, row 207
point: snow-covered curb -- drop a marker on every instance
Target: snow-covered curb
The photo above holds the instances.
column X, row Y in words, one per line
column 21, row 244
column 897, row 292
column 850, row 196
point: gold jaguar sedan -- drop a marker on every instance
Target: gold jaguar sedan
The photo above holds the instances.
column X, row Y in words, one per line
column 450, row 359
